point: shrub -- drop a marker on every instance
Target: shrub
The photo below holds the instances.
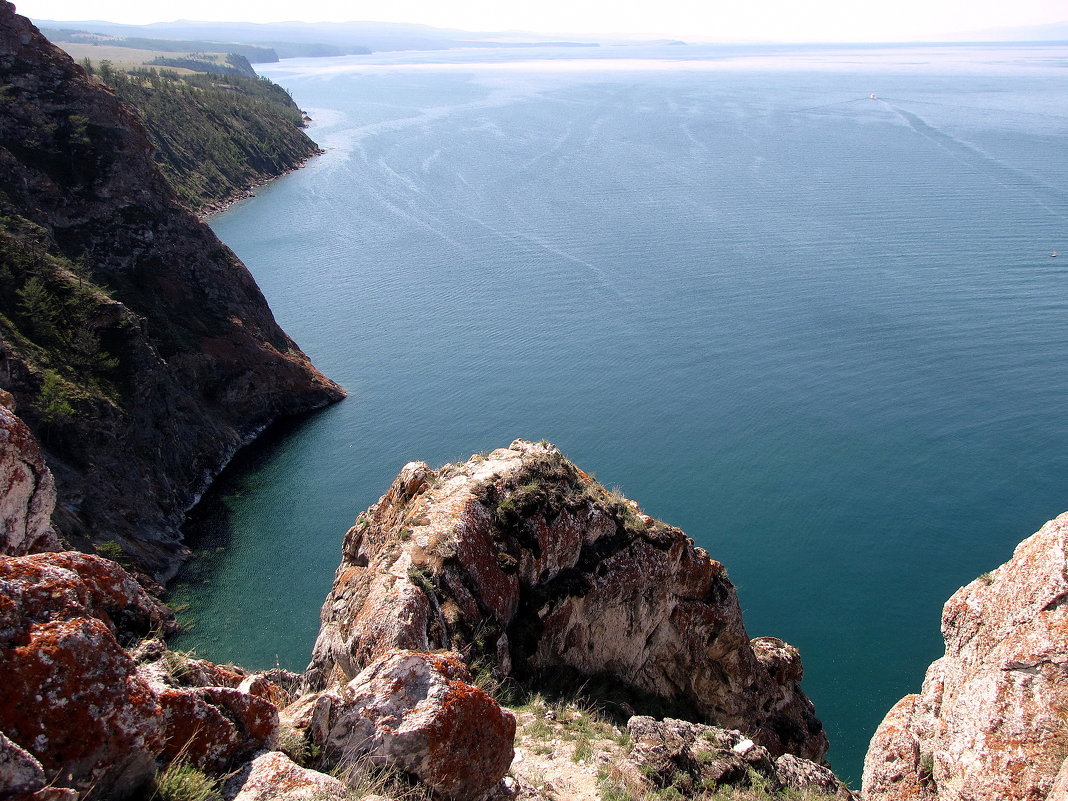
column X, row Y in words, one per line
column 180, row 781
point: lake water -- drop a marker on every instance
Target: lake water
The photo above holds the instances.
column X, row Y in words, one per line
column 820, row 332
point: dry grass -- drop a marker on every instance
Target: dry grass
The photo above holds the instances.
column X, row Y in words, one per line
column 123, row 57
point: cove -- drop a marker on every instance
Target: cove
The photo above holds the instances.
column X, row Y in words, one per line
column 821, row 333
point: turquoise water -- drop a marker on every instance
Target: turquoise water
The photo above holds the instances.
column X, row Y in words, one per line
column 821, row 333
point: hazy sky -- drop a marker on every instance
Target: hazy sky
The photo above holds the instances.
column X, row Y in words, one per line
column 793, row 20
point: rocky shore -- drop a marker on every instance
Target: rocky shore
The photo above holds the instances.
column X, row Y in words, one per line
column 464, row 595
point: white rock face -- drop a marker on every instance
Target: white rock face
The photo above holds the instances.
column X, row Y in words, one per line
column 991, row 721
column 27, row 491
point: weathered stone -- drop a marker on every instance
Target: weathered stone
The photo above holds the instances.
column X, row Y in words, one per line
column 80, row 707
column 261, row 686
column 19, row 772
column 275, row 777
column 990, row 721
column 63, row 586
column 520, row 559
column 27, row 491
column 691, row 756
column 801, row 774
column 417, row 712
column 1059, row 790
column 214, row 728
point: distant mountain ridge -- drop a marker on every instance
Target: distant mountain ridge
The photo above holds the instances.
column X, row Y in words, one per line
column 307, row 39
column 1050, row 32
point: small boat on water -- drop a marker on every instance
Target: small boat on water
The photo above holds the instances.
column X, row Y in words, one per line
column 1053, row 255
column 872, row 96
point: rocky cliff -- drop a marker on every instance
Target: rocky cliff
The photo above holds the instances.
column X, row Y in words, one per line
column 522, row 562
column 991, row 721
column 138, row 347
column 96, row 705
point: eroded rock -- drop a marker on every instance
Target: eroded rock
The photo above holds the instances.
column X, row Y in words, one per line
column 27, row 490
column 81, row 705
column 521, row 560
column 418, row 712
column 691, row 759
column 20, row 773
column 79, row 708
column 990, row 720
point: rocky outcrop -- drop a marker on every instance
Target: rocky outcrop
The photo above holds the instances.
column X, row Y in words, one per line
column 80, row 705
column 416, row 712
column 167, row 371
column 27, row 491
column 992, row 718
column 689, row 758
column 521, row 561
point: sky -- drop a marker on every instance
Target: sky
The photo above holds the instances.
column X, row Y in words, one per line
column 695, row 20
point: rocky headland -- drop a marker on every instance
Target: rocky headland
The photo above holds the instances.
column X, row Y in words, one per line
column 521, row 562
column 137, row 346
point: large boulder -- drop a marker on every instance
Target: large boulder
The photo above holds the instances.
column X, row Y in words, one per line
column 992, row 718
column 80, row 708
column 521, row 561
column 27, row 491
column 79, row 704
column 214, row 728
column 417, row 712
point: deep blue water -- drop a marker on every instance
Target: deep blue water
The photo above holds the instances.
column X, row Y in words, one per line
column 821, row 333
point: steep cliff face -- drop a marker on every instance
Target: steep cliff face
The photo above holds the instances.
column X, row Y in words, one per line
column 138, row 347
column 991, row 721
column 520, row 560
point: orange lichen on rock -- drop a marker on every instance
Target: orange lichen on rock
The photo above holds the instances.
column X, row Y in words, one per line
column 418, row 712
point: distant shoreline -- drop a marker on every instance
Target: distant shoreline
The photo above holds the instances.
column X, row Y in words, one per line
column 249, row 192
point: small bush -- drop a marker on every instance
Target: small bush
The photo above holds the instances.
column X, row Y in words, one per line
column 110, row 549
column 180, row 781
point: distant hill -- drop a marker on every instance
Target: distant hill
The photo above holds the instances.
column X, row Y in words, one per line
column 1050, row 32
column 253, row 53
column 303, row 39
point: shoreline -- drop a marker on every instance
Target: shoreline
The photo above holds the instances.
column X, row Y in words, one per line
column 220, row 206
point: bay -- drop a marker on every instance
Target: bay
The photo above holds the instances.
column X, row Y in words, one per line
column 820, row 332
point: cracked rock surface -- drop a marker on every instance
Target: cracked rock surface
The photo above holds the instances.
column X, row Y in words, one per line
column 992, row 718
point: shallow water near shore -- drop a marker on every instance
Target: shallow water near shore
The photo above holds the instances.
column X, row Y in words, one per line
column 820, row 332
